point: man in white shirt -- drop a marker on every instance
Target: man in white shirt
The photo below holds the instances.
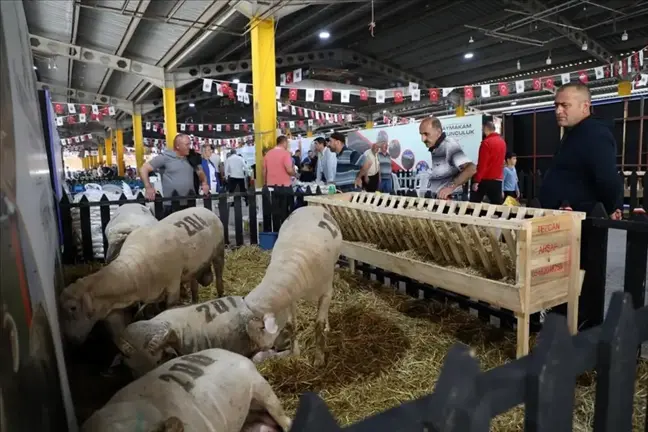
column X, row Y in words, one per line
column 236, row 171
column 372, row 179
column 326, row 162
column 216, row 161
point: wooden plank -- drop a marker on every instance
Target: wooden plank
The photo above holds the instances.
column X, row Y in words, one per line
column 551, row 248
column 494, row 292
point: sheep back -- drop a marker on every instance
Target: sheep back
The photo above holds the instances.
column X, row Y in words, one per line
column 125, row 219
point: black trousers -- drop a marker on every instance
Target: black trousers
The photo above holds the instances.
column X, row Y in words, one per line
column 372, row 183
column 489, row 188
column 236, row 185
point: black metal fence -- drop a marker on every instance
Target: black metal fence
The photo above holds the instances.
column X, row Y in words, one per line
column 466, row 399
column 277, row 205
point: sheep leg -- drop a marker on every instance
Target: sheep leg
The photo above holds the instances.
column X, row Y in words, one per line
column 263, row 395
column 218, row 263
column 291, row 329
column 194, row 290
column 173, row 293
column 321, row 325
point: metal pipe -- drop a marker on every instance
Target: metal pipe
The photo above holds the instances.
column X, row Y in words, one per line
column 603, row 7
column 175, row 9
column 547, row 12
column 544, row 20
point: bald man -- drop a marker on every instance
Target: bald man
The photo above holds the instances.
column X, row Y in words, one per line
column 450, row 167
column 583, row 171
column 177, row 172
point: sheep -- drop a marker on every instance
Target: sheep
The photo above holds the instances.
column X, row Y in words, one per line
column 151, row 265
column 125, row 219
column 299, row 270
column 213, row 390
column 222, row 323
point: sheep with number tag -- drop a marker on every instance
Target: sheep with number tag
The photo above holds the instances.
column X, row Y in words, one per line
column 299, row 271
column 126, row 219
column 151, row 265
column 213, row 390
column 222, row 323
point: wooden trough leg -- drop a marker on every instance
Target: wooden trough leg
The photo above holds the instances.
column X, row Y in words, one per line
column 572, row 304
column 352, row 268
column 523, row 321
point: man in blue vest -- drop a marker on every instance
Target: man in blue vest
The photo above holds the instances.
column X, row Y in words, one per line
column 350, row 164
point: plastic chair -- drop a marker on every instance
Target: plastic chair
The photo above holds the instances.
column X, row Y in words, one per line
column 396, row 184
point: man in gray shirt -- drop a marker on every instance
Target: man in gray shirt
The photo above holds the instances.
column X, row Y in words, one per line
column 177, row 173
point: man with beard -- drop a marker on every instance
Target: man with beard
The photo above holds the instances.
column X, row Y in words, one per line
column 450, row 167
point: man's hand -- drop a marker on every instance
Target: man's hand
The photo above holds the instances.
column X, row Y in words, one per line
column 150, row 193
column 358, row 182
column 475, row 187
column 205, row 188
column 617, row 215
column 445, row 192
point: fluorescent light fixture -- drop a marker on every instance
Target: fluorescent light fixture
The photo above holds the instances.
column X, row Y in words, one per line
column 35, row 68
column 236, row 80
column 243, row 120
column 191, row 104
column 324, row 34
column 468, row 55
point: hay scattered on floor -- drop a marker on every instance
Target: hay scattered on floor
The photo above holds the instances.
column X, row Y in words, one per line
column 385, row 348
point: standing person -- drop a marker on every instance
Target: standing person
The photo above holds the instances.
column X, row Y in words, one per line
column 216, row 161
column 350, row 167
column 326, row 162
column 278, row 165
column 450, row 167
column 510, row 185
column 490, row 170
column 372, row 178
column 297, row 158
column 236, row 170
column 385, row 161
column 583, row 171
column 177, row 173
column 210, row 169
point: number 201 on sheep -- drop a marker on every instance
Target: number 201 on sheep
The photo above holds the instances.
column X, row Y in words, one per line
column 191, row 224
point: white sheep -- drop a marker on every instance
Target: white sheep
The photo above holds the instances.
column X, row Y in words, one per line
column 213, row 390
column 125, row 219
column 222, row 323
column 150, row 267
column 299, row 271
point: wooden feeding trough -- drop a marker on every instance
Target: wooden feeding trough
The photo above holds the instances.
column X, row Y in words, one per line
column 518, row 258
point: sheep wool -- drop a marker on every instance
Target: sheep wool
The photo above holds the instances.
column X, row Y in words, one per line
column 219, row 323
column 125, row 219
column 213, row 390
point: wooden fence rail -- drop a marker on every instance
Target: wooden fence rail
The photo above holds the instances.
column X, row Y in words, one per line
column 466, row 399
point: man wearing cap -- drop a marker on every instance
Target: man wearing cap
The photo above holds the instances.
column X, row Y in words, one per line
column 490, row 165
column 350, row 164
column 326, row 162
column 450, row 167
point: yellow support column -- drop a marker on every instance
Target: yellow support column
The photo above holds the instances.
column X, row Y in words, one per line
column 83, row 162
column 109, row 149
column 138, row 137
column 309, row 133
column 263, row 87
column 120, row 152
column 461, row 111
column 100, row 153
column 169, row 103
column 369, row 124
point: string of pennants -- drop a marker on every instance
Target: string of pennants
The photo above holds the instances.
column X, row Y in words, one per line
column 629, row 67
column 76, row 139
column 72, row 113
column 197, row 141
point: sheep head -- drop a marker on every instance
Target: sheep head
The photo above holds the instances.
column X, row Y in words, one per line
column 78, row 311
column 261, row 328
column 147, row 344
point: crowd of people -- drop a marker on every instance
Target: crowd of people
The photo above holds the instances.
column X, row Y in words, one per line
column 583, row 171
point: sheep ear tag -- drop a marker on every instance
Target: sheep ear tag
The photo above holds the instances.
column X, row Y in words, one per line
column 270, row 324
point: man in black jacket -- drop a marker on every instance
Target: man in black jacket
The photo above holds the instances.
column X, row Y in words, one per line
column 583, row 171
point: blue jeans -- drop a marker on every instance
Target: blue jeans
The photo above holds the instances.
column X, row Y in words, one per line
column 385, row 185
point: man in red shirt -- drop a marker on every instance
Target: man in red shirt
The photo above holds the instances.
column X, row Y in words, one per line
column 278, row 165
column 490, row 166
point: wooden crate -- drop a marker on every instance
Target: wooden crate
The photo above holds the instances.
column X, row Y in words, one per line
column 522, row 259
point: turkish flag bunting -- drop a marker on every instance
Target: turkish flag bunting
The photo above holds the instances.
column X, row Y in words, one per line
column 71, row 120
column 582, row 76
column 210, row 127
column 83, row 109
column 434, row 95
column 224, row 87
column 94, row 117
column 398, row 96
column 282, row 125
column 328, row 94
column 606, row 71
column 364, row 94
column 469, row 93
column 537, row 84
column 292, row 95
column 104, row 111
column 227, row 128
column 191, row 128
column 503, row 89
column 549, row 83
column 58, row 108
column 321, row 120
column 245, row 127
column 301, row 123
column 300, row 111
column 289, row 77
column 230, row 93
column 635, row 61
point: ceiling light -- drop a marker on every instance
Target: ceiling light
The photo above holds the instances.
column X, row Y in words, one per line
column 513, row 103
column 236, row 80
column 191, row 104
column 624, row 36
column 35, row 68
column 468, row 55
column 548, row 61
column 243, row 120
column 324, row 35
column 584, row 47
column 519, row 66
column 471, row 40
